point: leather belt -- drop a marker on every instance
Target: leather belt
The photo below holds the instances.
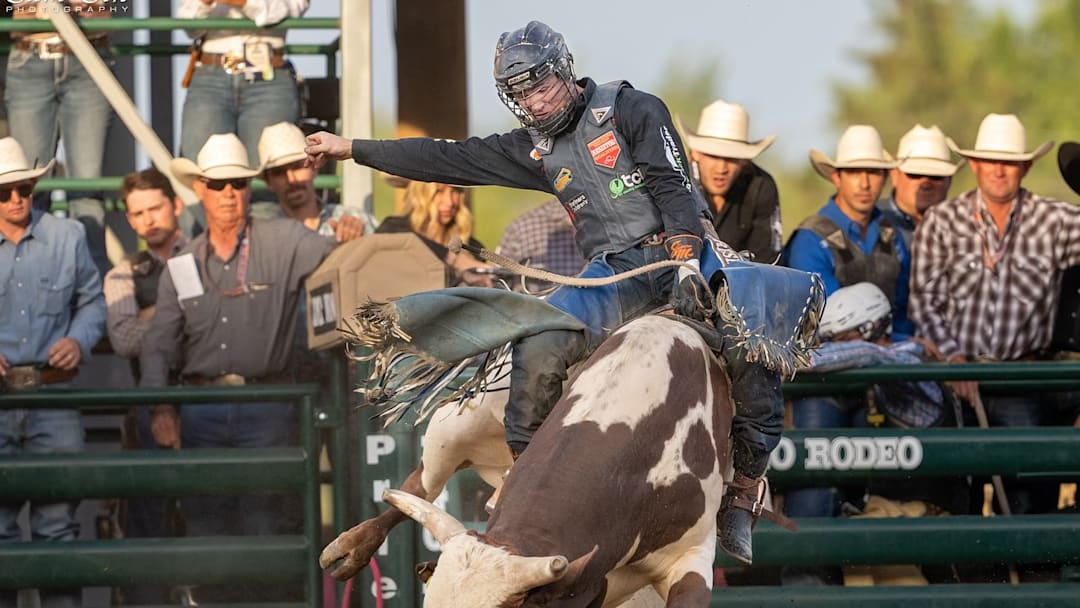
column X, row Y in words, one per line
column 236, row 62
column 29, row 377
column 237, row 379
column 52, row 46
column 653, row 240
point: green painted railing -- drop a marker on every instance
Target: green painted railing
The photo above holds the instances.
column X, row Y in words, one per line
column 177, row 473
column 118, row 23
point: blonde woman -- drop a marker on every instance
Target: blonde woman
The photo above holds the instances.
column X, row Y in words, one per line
column 438, row 213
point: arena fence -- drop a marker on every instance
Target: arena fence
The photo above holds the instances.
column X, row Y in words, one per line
column 179, row 561
column 836, row 456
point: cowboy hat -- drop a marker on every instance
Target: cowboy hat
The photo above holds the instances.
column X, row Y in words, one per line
column 1001, row 137
column 1069, row 164
column 924, row 151
column 724, row 130
column 14, row 166
column 859, row 147
column 223, row 156
column 279, row 145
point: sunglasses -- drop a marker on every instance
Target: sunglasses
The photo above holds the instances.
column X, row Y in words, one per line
column 283, row 169
column 24, row 191
column 917, row 176
column 238, row 183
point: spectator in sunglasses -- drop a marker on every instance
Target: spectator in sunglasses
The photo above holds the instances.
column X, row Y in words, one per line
column 51, row 315
column 921, row 180
column 226, row 314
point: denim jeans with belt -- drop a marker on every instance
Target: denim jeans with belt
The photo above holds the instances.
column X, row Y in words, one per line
column 52, row 99
column 220, row 102
column 41, row 431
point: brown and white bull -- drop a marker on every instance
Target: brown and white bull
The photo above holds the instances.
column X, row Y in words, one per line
column 618, row 490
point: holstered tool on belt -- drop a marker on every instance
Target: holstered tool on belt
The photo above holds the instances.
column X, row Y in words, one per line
column 196, row 50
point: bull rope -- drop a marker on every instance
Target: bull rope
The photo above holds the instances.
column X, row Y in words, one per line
column 456, row 245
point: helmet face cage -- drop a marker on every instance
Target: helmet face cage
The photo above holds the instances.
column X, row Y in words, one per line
column 521, row 68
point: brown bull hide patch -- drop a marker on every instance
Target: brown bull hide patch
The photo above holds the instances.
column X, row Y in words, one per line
column 578, row 486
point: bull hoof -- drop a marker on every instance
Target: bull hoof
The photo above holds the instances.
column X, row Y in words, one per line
column 351, row 551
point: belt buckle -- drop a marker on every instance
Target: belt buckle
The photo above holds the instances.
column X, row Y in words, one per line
column 23, row 378
column 656, row 239
column 44, row 52
column 232, row 63
column 230, row 380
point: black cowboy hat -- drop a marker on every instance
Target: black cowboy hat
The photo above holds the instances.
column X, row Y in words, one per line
column 1069, row 163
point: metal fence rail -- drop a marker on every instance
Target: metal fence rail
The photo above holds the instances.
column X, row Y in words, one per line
column 184, row 472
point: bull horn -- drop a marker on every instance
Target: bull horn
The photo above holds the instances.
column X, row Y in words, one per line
column 534, row 572
column 441, row 524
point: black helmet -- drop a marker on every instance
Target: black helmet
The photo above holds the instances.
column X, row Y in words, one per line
column 523, row 59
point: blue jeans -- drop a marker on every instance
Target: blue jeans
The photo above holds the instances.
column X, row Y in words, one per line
column 540, row 361
column 1022, row 411
column 822, row 413
column 245, row 425
column 52, row 99
column 219, row 102
column 41, row 431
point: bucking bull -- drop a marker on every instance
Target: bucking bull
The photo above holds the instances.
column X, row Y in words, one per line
column 617, row 492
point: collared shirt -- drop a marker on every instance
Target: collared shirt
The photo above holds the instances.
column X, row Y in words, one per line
column 231, row 42
column 125, row 327
column 250, row 334
column 49, row 289
column 900, row 219
column 807, row 251
column 543, row 238
column 976, row 294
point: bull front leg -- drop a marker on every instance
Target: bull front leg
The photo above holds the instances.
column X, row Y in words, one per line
column 352, row 550
column 692, row 591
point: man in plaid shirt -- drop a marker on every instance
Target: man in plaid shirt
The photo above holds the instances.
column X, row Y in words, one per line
column 543, row 238
column 986, row 273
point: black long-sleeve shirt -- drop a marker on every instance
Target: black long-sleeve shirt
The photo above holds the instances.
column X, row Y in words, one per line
column 506, row 159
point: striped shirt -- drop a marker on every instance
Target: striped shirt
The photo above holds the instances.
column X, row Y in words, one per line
column 125, row 327
column 981, row 295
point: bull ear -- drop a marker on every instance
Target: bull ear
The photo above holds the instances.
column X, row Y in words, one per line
column 424, row 570
column 557, row 570
column 577, row 567
column 441, row 524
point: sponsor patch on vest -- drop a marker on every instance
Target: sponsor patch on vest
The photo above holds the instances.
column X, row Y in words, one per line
column 561, row 180
column 624, row 184
column 543, row 145
column 535, row 154
column 605, row 150
column 599, row 114
column 574, row 205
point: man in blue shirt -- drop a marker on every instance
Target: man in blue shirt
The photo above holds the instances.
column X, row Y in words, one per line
column 849, row 240
column 51, row 313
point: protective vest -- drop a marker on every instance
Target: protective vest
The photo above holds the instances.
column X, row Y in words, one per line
column 881, row 267
column 595, row 179
column 146, row 272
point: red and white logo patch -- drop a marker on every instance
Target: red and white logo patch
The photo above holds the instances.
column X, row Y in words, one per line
column 605, row 150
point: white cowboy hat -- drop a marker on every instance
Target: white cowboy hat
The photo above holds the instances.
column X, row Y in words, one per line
column 14, row 166
column 223, row 156
column 1001, row 137
column 859, row 147
column 279, row 145
column 924, row 151
column 724, row 130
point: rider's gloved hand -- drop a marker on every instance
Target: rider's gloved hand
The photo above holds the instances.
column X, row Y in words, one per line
column 690, row 297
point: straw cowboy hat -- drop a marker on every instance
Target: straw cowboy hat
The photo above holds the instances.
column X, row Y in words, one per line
column 14, row 166
column 1069, row 164
column 724, row 130
column 281, row 144
column 1001, row 137
column 223, row 156
column 924, row 151
column 859, row 147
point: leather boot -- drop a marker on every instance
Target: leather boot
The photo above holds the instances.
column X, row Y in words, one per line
column 739, row 511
